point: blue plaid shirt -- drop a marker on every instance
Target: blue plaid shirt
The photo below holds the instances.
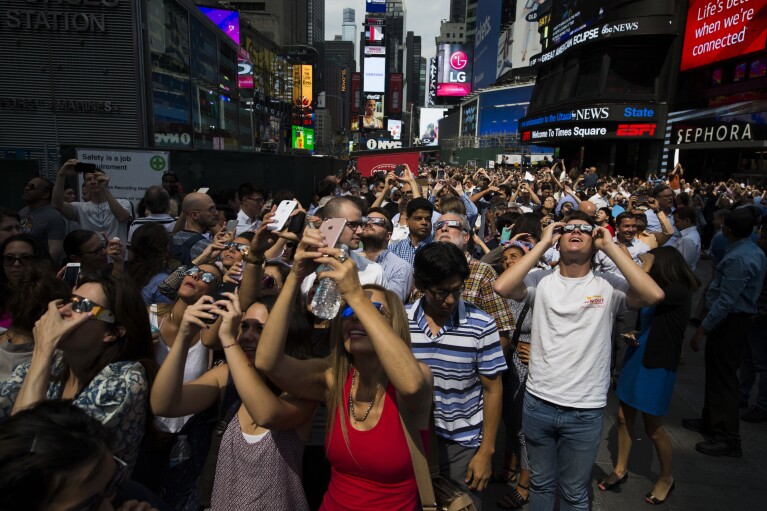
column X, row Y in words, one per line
column 406, row 250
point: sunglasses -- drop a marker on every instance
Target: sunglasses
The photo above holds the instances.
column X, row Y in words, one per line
column 348, row 312
column 584, row 228
column 242, row 247
column 268, row 282
column 356, row 225
column 375, row 221
column 441, row 294
column 120, row 475
column 30, row 186
column 10, row 260
column 449, row 223
column 96, row 251
column 84, row 305
column 206, row 277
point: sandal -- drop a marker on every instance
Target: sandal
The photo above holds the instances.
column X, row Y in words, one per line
column 603, row 485
column 514, row 500
column 505, row 475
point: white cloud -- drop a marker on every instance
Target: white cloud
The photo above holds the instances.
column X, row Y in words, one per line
column 422, row 18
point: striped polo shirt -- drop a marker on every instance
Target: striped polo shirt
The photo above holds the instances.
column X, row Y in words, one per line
column 466, row 347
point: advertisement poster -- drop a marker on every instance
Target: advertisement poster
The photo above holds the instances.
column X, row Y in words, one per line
column 527, row 40
column 303, row 138
column 454, row 70
column 429, row 125
column 486, row 42
column 369, row 165
column 395, row 128
column 503, row 61
column 374, row 75
column 372, row 117
column 228, row 21
column 717, row 31
column 130, row 172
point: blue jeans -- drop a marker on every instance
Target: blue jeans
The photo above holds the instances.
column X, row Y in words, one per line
column 562, row 445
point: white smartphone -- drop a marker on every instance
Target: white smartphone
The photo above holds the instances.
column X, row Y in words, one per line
column 72, row 274
column 231, row 225
column 282, row 215
column 203, row 190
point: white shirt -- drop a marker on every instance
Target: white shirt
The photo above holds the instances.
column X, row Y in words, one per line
column 689, row 246
column 607, row 265
column 599, row 201
column 244, row 223
column 368, row 272
column 98, row 217
column 571, row 335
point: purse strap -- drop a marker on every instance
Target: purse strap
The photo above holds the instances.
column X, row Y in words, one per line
column 420, row 465
column 520, row 320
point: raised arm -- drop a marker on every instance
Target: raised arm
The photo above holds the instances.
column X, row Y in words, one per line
column 264, row 407
column 57, row 195
column 170, row 397
column 412, row 379
column 511, row 283
column 305, row 379
column 643, row 290
column 120, row 213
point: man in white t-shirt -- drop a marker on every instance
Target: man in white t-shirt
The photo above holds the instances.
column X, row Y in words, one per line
column 573, row 310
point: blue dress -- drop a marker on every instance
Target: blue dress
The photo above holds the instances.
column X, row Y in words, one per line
column 647, row 390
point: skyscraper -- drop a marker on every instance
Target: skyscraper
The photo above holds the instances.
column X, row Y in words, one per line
column 315, row 18
column 349, row 29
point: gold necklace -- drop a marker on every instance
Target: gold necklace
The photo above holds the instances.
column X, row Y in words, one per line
column 351, row 400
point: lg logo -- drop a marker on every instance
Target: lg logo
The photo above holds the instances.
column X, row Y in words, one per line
column 458, row 60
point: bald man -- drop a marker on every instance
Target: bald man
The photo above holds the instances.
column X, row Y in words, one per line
column 587, row 207
column 200, row 215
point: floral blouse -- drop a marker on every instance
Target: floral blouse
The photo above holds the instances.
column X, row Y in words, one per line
column 116, row 397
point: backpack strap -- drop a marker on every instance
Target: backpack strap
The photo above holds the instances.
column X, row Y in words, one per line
column 520, row 320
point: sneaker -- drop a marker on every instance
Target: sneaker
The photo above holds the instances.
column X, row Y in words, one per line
column 755, row 415
column 719, row 448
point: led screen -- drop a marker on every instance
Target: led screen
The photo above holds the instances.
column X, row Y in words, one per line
column 374, row 79
column 228, row 21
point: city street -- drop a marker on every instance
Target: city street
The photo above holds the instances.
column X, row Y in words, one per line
column 703, row 483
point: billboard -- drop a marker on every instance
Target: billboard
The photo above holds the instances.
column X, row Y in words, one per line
column 469, row 114
column 454, row 70
column 375, row 6
column 723, row 30
column 428, row 128
column 228, row 21
column 486, row 42
column 569, row 18
column 372, row 117
column 374, row 75
column 527, row 40
column 302, row 95
column 396, row 92
column 303, row 138
column 395, row 128
column 373, row 164
column 500, row 110
column 503, row 61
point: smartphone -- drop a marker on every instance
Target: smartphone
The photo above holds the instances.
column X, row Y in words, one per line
column 81, row 167
column 398, row 170
column 224, row 287
column 440, row 175
column 282, row 215
column 231, row 225
column 331, row 230
column 297, row 223
column 505, row 234
column 71, row 274
column 203, row 190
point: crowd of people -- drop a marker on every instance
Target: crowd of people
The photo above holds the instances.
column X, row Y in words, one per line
column 171, row 354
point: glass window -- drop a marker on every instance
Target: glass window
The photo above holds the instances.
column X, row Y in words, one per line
column 204, row 51
column 589, row 78
column 716, row 76
column 633, row 71
column 740, row 72
column 758, row 68
column 168, row 30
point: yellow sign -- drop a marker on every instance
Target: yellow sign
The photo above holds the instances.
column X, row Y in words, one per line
column 306, row 82
column 343, row 80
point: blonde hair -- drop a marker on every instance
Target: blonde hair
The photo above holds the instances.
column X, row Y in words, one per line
column 341, row 360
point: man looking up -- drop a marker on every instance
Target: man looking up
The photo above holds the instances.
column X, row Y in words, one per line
column 461, row 346
column 625, row 237
column 397, row 274
column 252, row 199
column 478, row 286
column 200, row 215
column 419, row 211
column 569, row 371
column 102, row 212
column 664, row 196
column 40, row 219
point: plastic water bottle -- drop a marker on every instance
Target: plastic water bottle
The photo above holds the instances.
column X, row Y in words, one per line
column 327, row 299
column 181, row 451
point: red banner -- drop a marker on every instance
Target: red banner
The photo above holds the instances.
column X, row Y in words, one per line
column 369, row 165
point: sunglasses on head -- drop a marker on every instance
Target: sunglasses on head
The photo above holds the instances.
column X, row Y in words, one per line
column 80, row 304
column 206, row 276
column 449, row 223
column 349, row 312
column 584, row 228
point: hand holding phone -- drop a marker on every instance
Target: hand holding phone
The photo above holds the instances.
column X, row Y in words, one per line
column 282, row 215
column 224, row 287
column 72, row 274
column 331, row 230
column 231, row 225
column 81, row 167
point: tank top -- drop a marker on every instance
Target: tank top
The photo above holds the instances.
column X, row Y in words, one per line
column 265, row 475
column 376, row 471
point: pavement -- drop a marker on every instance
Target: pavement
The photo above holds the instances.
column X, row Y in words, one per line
column 703, row 483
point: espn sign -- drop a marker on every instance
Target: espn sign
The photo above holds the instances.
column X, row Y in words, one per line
column 636, row 130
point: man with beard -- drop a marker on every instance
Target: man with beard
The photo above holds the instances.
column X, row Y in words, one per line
column 398, row 275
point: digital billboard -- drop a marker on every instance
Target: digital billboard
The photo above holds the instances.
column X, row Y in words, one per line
column 374, row 76
column 372, row 117
column 503, row 61
column 395, row 128
column 428, row 128
column 228, row 21
column 527, row 40
column 375, row 5
column 717, row 31
column 569, row 18
column 303, row 138
column 486, row 42
column 454, row 70
column 302, row 95
column 500, row 110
